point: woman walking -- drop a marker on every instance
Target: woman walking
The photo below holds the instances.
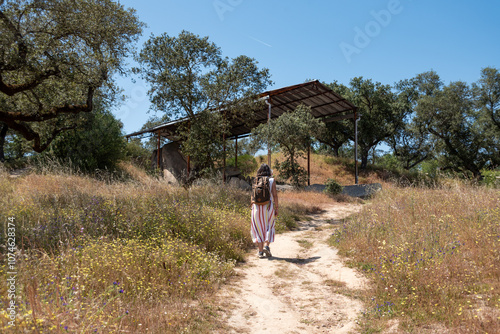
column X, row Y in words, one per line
column 264, row 215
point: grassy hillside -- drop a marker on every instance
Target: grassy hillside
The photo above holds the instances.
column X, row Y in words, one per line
column 433, row 257
column 108, row 256
column 328, row 167
column 143, row 256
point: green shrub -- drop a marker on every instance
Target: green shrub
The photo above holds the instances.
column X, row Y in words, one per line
column 292, row 171
column 246, row 163
column 97, row 144
column 332, row 187
column 491, row 178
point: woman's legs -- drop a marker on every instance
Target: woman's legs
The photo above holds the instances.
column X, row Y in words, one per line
column 261, row 246
column 262, row 226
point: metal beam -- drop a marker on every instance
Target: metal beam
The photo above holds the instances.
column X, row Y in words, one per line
column 158, row 152
column 268, row 101
column 309, row 165
column 224, row 157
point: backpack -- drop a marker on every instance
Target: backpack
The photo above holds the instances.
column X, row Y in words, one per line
column 261, row 191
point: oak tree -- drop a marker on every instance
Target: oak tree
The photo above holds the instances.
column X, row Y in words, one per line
column 55, row 57
column 190, row 79
column 380, row 115
column 292, row 133
column 412, row 143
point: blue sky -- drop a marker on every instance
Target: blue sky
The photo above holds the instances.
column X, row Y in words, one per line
column 384, row 40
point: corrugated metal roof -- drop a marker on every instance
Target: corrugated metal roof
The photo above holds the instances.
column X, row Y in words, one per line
column 324, row 103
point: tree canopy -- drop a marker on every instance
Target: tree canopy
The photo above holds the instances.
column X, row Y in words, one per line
column 412, row 143
column 190, row 78
column 55, row 58
column 292, row 133
column 188, row 75
column 96, row 144
column 380, row 115
column 421, row 118
column 453, row 123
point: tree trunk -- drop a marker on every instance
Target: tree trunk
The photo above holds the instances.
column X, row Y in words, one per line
column 3, row 134
column 364, row 159
column 336, row 151
column 474, row 170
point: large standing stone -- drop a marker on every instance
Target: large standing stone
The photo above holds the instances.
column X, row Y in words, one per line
column 239, row 183
column 172, row 162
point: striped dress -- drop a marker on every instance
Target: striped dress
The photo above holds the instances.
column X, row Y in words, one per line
column 263, row 219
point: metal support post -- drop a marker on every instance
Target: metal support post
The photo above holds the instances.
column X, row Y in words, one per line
column 309, row 165
column 158, row 152
column 355, row 147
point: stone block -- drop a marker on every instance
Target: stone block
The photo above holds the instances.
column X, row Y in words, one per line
column 362, row 191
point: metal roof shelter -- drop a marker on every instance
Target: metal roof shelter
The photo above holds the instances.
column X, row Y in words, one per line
column 325, row 104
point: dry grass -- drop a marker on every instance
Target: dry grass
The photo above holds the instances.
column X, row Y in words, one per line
column 310, row 202
column 432, row 255
column 322, row 168
column 116, row 256
column 144, row 256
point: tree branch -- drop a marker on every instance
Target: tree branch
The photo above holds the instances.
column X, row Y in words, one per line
column 22, row 48
column 416, row 162
column 29, row 134
column 11, row 90
column 51, row 113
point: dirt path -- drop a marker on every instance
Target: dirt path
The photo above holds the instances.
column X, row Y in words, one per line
column 303, row 288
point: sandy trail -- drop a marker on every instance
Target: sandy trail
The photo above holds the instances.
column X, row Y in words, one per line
column 303, row 288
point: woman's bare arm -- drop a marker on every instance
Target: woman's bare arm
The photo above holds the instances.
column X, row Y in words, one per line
column 275, row 197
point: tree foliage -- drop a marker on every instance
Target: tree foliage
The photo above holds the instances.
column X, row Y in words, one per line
column 380, row 118
column 335, row 136
column 97, row 144
column 55, row 58
column 453, row 122
column 190, row 78
column 456, row 125
column 292, row 133
column 175, row 67
column 487, row 93
column 412, row 143
column 487, row 102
